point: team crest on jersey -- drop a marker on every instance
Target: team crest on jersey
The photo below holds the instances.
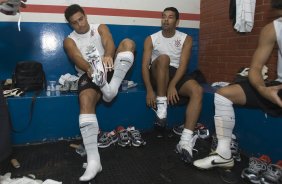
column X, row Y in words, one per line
column 177, row 43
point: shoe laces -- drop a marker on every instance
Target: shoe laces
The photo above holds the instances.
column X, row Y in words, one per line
column 103, row 137
column 123, row 134
column 135, row 134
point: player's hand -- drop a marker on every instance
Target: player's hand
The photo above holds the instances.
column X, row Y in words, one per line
column 172, row 95
column 271, row 93
column 108, row 63
column 151, row 99
column 89, row 72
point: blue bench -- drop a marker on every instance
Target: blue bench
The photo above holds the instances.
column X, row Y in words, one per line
column 56, row 117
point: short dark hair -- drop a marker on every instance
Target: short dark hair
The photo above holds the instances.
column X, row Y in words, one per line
column 72, row 9
column 174, row 10
column 277, row 4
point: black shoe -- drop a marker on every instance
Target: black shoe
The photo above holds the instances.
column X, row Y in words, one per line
column 160, row 127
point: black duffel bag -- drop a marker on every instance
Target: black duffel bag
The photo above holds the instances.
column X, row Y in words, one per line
column 29, row 76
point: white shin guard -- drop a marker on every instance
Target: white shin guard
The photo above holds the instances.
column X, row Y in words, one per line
column 123, row 63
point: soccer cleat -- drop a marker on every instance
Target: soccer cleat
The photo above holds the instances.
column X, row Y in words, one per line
column 160, row 126
column 135, row 137
column 214, row 160
column 99, row 75
column 186, row 150
column 178, row 129
column 257, row 166
column 123, row 137
column 15, row 92
column 105, row 139
column 272, row 175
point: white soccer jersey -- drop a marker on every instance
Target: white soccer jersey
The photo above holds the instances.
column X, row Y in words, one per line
column 87, row 43
column 169, row 46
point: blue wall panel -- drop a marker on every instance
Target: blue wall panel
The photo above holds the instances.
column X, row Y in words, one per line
column 43, row 42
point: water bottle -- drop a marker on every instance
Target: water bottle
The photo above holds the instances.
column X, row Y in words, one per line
column 48, row 90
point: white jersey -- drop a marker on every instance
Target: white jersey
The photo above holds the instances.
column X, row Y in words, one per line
column 87, row 43
column 169, row 46
column 278, row 30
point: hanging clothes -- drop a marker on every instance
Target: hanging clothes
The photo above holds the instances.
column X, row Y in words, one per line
column 245, row 12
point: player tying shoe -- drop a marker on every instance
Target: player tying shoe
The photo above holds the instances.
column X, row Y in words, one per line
column 91, row 48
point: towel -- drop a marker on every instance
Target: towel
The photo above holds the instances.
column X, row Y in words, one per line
column 245, row 12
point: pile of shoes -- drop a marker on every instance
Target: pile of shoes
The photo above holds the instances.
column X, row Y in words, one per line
column 200, row 129
column 262, row 171
column 124, row 137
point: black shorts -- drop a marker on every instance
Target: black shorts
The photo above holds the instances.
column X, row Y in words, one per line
column 172, row 71
column 255, row 100
column 85, row 82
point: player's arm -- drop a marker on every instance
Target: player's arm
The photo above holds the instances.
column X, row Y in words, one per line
column 146, row 60
column 76, row 57
column 108, row 44
column 267, row 40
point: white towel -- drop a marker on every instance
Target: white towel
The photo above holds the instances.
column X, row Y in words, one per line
column 6, row 179
column 245, row 12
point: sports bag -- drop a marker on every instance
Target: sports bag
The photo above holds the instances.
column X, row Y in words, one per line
column 29, row 76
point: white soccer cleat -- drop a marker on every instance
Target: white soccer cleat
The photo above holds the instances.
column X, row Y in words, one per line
column 214, row 160
column 99, row 75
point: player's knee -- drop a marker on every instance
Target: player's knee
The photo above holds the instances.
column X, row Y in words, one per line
column 109, row 96
column 197, row 92
column 128, row 45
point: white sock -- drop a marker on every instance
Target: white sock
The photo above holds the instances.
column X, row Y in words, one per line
column 89, row 130
column 161, row 107
column 187, row 140
column 186, row 136
column 123, row 63
column 224, row 124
